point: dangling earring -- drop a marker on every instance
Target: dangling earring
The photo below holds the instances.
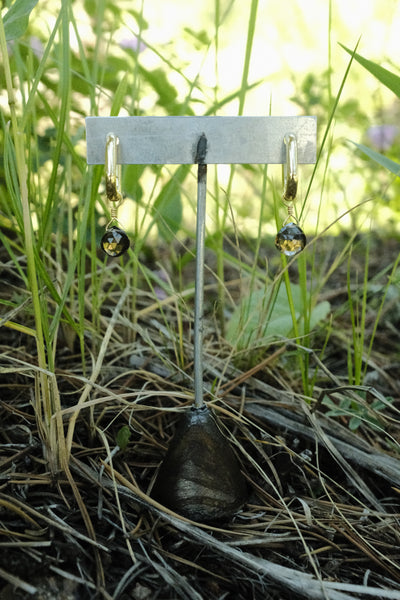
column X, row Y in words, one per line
column 290, row 240
column 115, row 241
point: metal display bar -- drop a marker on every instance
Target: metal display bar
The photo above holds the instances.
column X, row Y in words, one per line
column 173, row 140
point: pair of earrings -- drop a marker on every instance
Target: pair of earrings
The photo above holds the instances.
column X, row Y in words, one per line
column 290, row 240
column 115, row 241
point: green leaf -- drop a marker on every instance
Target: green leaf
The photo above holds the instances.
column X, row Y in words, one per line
column 131, row 181
column 256, row 318
column 119, row 95
column 16, row 19
column 389, row 79
column 318, row 314
column 382, row 160
column 167, row 94
column 355, row 423
column 167, row 209
column 201, row 37
column 123, row 437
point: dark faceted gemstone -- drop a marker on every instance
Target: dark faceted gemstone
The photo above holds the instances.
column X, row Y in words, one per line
column 290, row 240
column 200, row 476
column 115, row 241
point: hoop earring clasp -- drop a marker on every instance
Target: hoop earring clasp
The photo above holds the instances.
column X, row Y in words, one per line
column 290, row 168
column 113, row 169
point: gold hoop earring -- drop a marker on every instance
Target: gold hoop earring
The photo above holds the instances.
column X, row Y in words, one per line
column 115, row 241
column 290, row 240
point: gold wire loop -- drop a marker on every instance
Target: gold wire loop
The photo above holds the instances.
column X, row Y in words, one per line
column 290, row 169
column 291, row 217
column 113, row 170
column 114, row 212
column 114, row 217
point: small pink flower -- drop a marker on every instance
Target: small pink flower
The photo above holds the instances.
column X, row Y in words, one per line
column 382, row 136
column 133, row 43
column 160, row 293
column 36, row 46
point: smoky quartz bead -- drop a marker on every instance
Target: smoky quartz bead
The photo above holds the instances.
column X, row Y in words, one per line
column 290, row 240
column 115, row 241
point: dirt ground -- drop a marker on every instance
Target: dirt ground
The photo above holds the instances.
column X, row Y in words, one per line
column 321, row 517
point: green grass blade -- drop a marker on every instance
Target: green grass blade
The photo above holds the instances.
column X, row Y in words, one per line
column 328, row 127
column 39, row 74
column 389, row 79
column 382, row 160
column 249, row 45
column 51, row 205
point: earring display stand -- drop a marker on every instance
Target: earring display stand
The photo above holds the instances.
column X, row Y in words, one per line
column 173, row 140
column 184, row 482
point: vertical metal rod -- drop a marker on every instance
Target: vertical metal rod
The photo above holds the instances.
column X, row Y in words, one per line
column 199, row 283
